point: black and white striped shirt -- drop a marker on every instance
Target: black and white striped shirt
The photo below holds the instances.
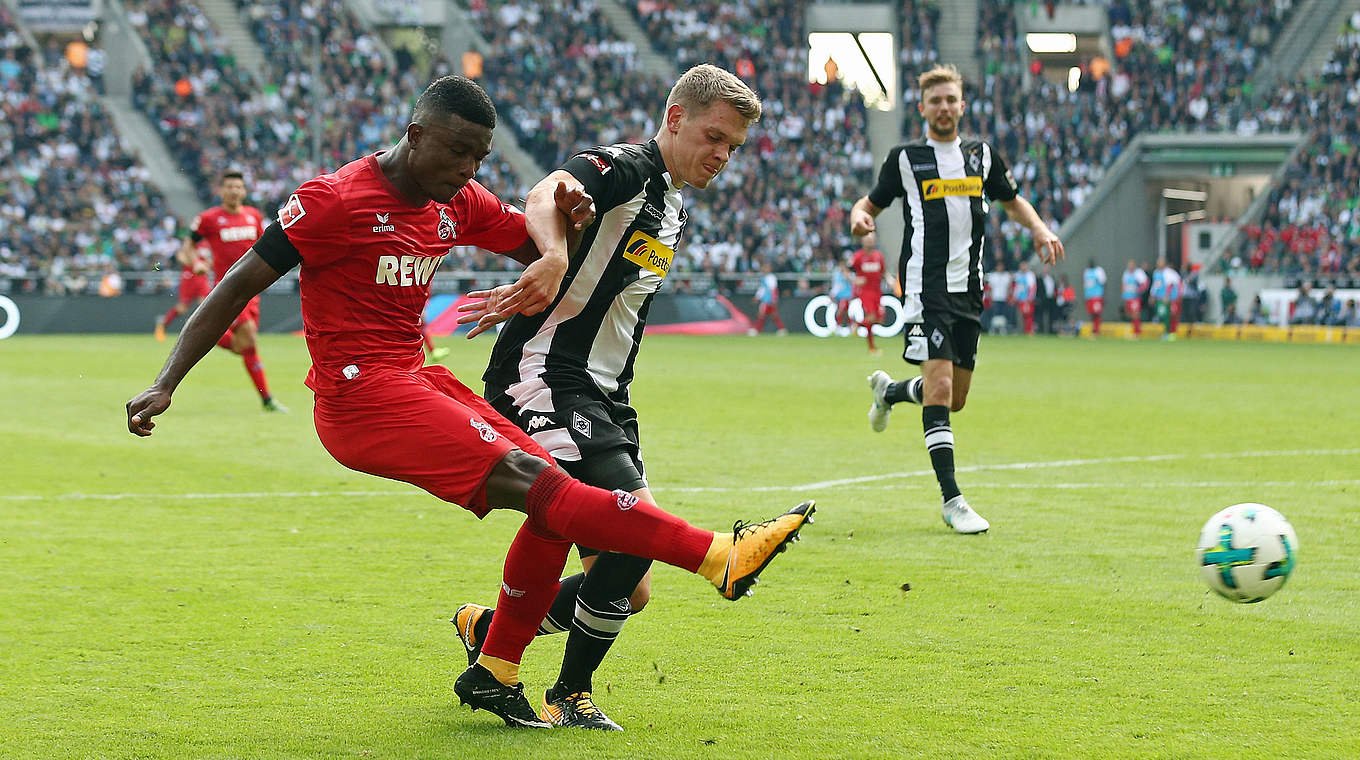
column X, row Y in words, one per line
column 943, row 185
column 589, row 336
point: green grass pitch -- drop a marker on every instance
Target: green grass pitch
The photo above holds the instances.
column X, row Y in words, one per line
column 224, row 589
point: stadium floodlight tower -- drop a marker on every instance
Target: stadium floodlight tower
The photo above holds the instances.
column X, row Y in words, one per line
column 857, row 43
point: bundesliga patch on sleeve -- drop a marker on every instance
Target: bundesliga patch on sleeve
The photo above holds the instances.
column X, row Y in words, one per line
column 599, row 163
column 291, row 211
column 510, row 208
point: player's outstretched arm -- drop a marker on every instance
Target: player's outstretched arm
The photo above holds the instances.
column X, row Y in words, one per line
column 246, row 279
column 1046, row 243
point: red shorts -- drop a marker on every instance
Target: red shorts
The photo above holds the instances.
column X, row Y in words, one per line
column 768, row 309
column 193, row 288
column 1134, row 308
column 424, row 428
column 1095, row 306
column 872, row 303
column 251, row 313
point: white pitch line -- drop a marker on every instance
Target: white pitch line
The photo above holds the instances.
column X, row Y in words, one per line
column 819, row 485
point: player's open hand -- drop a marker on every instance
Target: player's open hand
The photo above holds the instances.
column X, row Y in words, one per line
column 485, row 313
column 1049, row 247
column 574, row 202
column 146, row 405
column 861, row 222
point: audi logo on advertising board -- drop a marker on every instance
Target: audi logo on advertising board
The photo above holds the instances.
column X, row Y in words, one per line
column 819, row 316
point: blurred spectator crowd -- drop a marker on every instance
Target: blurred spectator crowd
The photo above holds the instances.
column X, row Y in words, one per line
column 563, row 79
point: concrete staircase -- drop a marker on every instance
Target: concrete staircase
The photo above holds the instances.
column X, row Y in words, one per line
column 627, row 28
column 226, row 18
column 141, row 138
column 1325, row 44
column 956, row 38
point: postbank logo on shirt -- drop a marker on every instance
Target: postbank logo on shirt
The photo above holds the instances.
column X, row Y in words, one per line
column 649, row 253
column 933, row 189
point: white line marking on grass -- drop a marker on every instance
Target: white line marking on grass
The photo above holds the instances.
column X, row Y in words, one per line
column 818, row 485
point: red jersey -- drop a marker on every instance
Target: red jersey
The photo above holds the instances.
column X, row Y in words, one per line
column 228, row 235
column 367, row 259
column 869, row 265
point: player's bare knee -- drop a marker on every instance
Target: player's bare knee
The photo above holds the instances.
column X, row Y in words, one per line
column 642, row 594
column 510, row 479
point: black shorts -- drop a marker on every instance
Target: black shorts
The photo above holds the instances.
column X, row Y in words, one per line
column 943, row 335
column 593, row 438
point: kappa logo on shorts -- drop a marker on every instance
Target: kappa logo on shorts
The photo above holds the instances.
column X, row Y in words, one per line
column 580, row 424
column 487, row 432
column 626, row 500
column 538, row 421
column 937, row 338
column 916, row 332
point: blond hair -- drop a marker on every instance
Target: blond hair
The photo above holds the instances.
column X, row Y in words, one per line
column 706, row 84
column 941, row 74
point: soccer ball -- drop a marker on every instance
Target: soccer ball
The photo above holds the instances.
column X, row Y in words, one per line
column 1246, row 552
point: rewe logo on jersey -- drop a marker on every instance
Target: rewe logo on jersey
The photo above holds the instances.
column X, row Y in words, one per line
column 382, row 225
column 406, row 270
column 237, row 234
column 649, row 253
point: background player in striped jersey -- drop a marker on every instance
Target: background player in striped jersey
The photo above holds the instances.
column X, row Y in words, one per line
column 942, row 180
column 563, row 374
column 380, row 410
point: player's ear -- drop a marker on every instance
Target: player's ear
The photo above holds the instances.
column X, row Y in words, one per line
column 413, row 134
column 674, row 114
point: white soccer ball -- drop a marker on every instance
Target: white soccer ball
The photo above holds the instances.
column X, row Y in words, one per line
column 1246, row 552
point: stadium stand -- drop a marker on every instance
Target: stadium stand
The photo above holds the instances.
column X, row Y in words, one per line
column 73, row 203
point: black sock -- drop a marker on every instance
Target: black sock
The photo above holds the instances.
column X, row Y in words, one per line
column 559, row 614
column 906, row 390
column 602, row 606
column 940, row 444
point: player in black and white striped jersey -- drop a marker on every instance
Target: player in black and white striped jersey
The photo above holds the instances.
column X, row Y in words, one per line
column 563, row 374
column 945, row 183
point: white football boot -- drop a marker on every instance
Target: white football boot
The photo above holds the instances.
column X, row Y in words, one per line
column 961, row 517
column 880, row 409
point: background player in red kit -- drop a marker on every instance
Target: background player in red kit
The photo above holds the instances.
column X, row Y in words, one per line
column 867, row 266
column 194, row 285
column 369, row 238
column 229, row 230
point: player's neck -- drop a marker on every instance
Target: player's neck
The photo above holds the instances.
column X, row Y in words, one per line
column 231, row 208
column 947, row 138
column 392, row 163
column 664, row 145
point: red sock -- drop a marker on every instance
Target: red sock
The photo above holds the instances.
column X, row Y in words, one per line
column 170, row 317
column 1137, row 330
column 256, row 369
column 870, row 330
column 225, row 340
column 1095, row 323
column 529, row 585
column 613, row 521
column 429, row 346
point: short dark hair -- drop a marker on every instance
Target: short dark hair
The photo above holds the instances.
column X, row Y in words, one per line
column 458, row 96
column 231, row 174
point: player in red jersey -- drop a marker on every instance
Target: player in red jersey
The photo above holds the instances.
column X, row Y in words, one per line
column 229, row 230
column 194, row 285
column 868, row 266
column 368, row 239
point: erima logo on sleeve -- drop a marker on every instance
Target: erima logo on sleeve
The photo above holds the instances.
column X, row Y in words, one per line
column 291, row 211
column 649, row 253
column 933, row 189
